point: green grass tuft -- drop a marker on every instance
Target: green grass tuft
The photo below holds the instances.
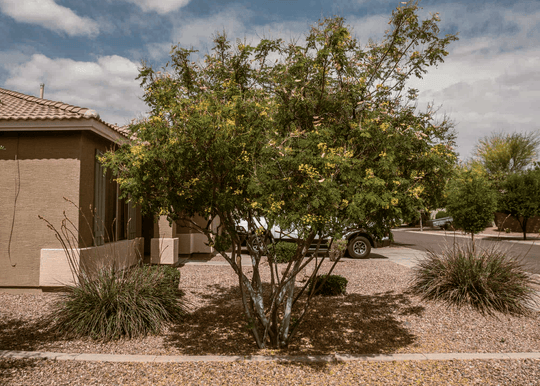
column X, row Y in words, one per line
column 488, row 281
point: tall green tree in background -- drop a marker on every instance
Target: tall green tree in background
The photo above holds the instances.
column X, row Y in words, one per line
column 317, row 138
column 503, row 154
column 471, row 200
column 520, row 197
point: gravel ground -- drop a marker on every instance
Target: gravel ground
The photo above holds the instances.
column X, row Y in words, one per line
column 376, row 316
column 493, row 372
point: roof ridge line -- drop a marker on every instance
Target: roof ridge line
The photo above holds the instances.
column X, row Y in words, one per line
column 46, row 102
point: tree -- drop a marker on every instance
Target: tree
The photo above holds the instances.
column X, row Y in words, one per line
column 471, row 200
column 520, row 197
column 503, row 154
column 318, row 140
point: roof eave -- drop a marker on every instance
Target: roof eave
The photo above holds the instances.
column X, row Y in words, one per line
column 92, row 124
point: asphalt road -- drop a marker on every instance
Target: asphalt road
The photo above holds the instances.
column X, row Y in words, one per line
column 530, row 254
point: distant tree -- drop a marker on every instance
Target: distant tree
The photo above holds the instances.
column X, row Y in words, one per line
column 520, row 197
column 502, row 154
column 471, row 200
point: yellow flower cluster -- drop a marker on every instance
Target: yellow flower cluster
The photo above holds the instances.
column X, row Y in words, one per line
column 369, row 173
column 309, row 170
column 415, row 192
column 276, row 206
column 312, row 219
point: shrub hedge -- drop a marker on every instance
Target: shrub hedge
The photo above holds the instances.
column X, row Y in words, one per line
column 334, row 285
column 282, row 252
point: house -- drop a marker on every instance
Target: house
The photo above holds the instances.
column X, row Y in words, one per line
column 50, row 153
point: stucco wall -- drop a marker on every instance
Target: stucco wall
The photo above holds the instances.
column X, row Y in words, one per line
column 503, row 221
column 55, row 270
column 190, row 241
column 43, row 168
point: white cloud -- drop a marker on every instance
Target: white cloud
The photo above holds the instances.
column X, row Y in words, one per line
column 198, row 32
column 370, row 27
column 160, row 6
column 50, row 15
column 491, row 79
column 107, row 85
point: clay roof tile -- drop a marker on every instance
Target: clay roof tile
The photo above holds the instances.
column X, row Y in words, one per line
column 18, row 106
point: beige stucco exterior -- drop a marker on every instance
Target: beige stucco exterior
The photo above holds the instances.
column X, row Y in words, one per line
column 172, row 240
column 192, row 242
column 42, row 164
column 55, row 270
column 36, row 172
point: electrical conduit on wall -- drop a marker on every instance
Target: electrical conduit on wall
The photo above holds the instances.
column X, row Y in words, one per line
column 17, row 191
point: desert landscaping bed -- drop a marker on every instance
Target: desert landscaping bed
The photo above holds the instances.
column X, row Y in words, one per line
column 469, row 372
column 377, row 315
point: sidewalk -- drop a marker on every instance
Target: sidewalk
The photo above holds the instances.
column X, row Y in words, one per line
column 489, row 233
column 400, row 255
column 262, row 358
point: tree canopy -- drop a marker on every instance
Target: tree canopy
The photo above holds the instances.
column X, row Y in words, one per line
column 520, row 197
column 317, row 137
column 471, row 200
column 503, row 154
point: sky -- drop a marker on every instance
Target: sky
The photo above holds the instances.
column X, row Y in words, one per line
column 88, row 52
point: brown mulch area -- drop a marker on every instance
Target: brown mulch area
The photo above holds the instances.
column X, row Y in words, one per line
column 377, row 315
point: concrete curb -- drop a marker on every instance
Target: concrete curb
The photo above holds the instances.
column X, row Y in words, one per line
column 262, row 358
column 508, row 239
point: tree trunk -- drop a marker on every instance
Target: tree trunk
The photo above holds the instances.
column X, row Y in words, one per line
column 524, row 227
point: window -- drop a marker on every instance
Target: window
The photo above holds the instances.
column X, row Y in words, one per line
column 100, row 184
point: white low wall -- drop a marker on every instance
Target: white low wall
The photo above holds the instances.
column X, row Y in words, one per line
column 193, row 243
column 54, row 267
column 164, row 251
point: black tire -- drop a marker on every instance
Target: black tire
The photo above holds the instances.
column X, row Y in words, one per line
column 359, row 247
column 254, row 243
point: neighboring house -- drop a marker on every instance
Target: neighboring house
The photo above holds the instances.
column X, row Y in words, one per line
column 50, row 153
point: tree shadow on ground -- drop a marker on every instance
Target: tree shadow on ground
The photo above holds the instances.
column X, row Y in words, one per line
column 25, row 335
column 352, row 324
column 406, row 245
column 11, row 368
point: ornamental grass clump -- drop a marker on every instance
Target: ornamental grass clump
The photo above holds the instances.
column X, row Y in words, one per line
column 488, row 281
column 120, row 304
